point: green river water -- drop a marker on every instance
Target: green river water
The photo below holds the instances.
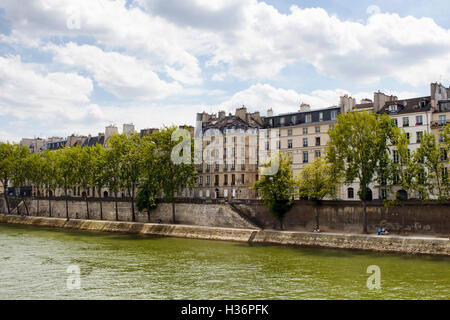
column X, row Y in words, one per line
column 34, row 262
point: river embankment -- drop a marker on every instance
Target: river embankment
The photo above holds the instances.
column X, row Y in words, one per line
column 386, row 243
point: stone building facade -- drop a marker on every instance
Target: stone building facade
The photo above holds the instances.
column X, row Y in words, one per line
column 227, row 161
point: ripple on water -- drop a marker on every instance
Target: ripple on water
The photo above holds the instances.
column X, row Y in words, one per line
column 114, row 266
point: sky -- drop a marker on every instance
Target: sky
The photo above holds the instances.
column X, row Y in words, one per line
column 74, row 67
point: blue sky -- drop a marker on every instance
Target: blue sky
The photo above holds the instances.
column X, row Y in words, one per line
column 76, row 66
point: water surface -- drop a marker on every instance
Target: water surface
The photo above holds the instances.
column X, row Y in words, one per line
column 34, row 262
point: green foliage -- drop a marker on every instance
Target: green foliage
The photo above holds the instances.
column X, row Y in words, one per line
column 174, row 177
column 358, row 148
column 433, row 165
column 316, row 181
column 277, row 190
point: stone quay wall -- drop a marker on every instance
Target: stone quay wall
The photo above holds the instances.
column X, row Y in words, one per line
column 409, row 218
column 389, row 244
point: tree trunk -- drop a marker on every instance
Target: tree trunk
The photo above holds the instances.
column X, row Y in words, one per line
column 67, row 204
column 364, row 216
column 26, row 206
column 5, row 186
column 117, row 209
column 87, row 206
column 148, row 214
column 133, row 217
column 173, row 211
column 316, row 210
column 281, row 223
column 49, row 206
column 101, row 204
column 37, row 208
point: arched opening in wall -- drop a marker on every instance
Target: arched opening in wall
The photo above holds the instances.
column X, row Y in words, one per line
column 369, row 195
column 217, row 193
column 83, row 194
column 105, row 194
column 50, row 193
column 38, row 193
column 402, row 195
column 350, row 193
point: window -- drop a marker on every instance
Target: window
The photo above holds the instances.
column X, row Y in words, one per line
column 208, row 179
column 441, row 138
column 318, row 141
column 318, row 154
column 305, row 130
column 278, row 144
column 294, row 119
column 289, row 144
column 395, row 122
column 282, row 120
column 233, row 166
column 208, row 167
column 320, row 116
column 419, row 120
column 350, row 193
column 442, row 120
column 305, row 142
column 443, row 154
column 408, row 137
column 333, row 115
column 406, row 122
column 393, row 108
column 308, row 118
column 444, row 173
column 290, row 132
column 217, row 167
column 267, row 145
column 419, row 136
column 267, row 134
column 396, row 158
column 317, row 129
column 332, row 126
column 305, row 157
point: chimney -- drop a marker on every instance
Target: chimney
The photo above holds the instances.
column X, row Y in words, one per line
column 270, row 112
column 305, row 107
column 347, row 103
column 242, row 113
column 222, row 115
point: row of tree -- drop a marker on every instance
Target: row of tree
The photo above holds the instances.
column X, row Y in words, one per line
column 140, row 166
column 369, row 149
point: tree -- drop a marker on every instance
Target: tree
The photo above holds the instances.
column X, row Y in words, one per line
column 111, row 171
column 51, row 174
column 277, row 188
column 21, row 170
column 85, row 170
column 174, row 175
column 315, row 182
column 67, row 161
column 99, row 174
column 357, row 149
column 151, row 185
column 127, row 149
column 6, row 167
column 36, row 164
column 433, row 160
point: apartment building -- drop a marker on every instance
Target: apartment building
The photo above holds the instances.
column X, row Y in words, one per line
column 228, row 163
column 302, row 135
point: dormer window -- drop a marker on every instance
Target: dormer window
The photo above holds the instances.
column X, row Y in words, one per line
column 393, row 108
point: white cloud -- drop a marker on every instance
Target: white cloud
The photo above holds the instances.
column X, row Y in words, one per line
column 248, row 39
column 124, row 76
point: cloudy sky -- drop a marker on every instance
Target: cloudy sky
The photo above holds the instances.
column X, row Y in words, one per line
column 75, row 66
